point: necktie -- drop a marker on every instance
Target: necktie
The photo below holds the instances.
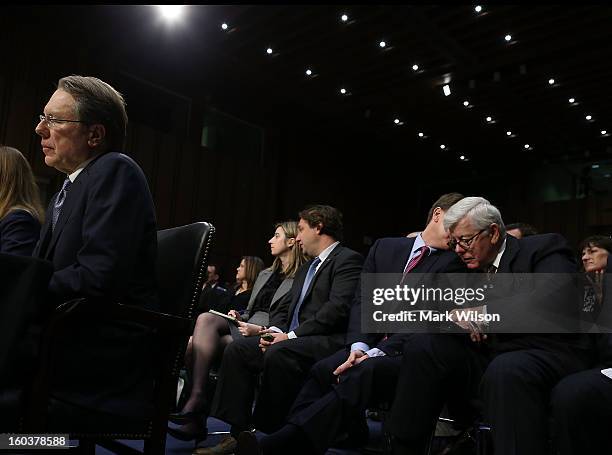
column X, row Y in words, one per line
column 491, row 270
column 422, row 253
column 59, row 201
column 309, row 276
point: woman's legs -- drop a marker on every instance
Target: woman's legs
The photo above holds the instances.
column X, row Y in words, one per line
column 209, row 335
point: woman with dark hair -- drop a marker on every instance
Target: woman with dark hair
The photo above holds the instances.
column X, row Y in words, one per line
column 21, row 213
column 595, row 251
column 213, row 333
column 246, row 274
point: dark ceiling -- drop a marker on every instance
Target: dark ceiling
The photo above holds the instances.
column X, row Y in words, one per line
column 506, row 80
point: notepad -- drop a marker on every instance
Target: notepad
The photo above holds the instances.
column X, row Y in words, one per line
column 232, row 319
column 607, row 372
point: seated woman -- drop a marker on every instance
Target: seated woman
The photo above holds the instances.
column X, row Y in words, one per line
column 595, row 251
column 21, row 213
column 246, row 274
column 212, row 332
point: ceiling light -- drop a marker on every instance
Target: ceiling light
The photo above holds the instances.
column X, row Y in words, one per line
column 489, row 119
column 442, row 146
column 595, row 166
column 589, row 117
column 396, row 121
column 382, row 44
column 269, row 50
column 466, row 103
column 462, row 157
column 604, row 132
column 344, row 18
column 508, row 133
column 572, row 100
column 343, row 91
column 224, row 26
column 526, row 146
column 508, row 38
column 551, row 81
column 415, row 67
column 308, row 72
column 171, row 12
column 421, row 135
column 478, row 8
column 446, row 90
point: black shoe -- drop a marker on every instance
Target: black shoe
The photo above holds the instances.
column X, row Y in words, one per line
column 248, row 444
column 184, row 417
column 194, row 429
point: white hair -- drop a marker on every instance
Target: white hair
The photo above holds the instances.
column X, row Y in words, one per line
column 478, row 210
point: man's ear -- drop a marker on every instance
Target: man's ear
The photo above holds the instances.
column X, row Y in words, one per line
column 494, row 233
column 319, row 228
column 437, row 214
column 97, row 134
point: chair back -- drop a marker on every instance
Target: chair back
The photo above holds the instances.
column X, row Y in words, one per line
column 182, row 256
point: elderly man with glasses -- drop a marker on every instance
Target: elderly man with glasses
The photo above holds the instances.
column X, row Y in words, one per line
column 100, row 234
column 514, row 372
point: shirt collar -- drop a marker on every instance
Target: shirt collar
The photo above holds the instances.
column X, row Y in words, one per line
column 80, row 168
column 418, row 243
column 327, row 251
column 499, row 255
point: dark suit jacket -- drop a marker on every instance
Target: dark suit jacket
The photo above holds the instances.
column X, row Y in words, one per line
column 326, row 304
column 390, row 255
column 19, row 232
column 105, row 242
column 104, row 247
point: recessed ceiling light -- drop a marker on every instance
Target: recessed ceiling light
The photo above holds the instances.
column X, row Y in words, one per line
column 396, row 121
column 308, row 72
column 466, row 103
column 589, row 117
column 421, row 135
column 508, row 38
column 269, row 50
column 572, row 100
column 344, row 18
column 551, row 81
column 462, row 157
column 382, row 44
column 526, row 146
column 604, row 132
column 478, row 8
column 442, row 146
column 446, row 89
column 343, row 91
column 508, row 133
column 489, row 119
column 595, row 166
column 171, row 12
column 415, row 67
column 224, row 26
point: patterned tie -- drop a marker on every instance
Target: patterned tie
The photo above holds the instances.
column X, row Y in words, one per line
column 309, row 276
column 59, row 201
column 422, row 253
column 491, row 271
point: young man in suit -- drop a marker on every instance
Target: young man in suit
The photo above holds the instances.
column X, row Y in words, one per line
column 340, row 387
column 514, row 372
column 311, row 327
column 100, row 234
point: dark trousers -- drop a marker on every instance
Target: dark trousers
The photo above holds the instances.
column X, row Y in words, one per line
column 325, row 406
column 514, row 387
column 283, row 367
column 582, row 413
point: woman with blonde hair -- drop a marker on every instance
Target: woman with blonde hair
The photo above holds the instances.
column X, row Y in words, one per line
column 21, row 213
column 213, row 333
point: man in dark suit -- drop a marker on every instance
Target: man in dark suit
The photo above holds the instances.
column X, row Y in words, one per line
column 340, row 387
column 515, row 372
column 214, row 296
column 311, row 329
column 100, row 234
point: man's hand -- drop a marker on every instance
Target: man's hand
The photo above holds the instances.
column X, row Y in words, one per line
column 234, row 314
column 355, row 358
column 475, row 329
column 277, row 338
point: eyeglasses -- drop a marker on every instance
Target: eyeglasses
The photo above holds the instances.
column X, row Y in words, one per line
column 49, row 121
column 464, row 243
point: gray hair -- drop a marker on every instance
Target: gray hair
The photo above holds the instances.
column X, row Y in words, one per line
column 480, row 212
column 98, row 102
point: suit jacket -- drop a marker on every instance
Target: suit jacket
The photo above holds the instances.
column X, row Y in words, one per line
column 104, row 247
column 390, row 255
column 326, row 305
column 19, row 232
column 260, row 282
column 216, row 298
column 105, row 242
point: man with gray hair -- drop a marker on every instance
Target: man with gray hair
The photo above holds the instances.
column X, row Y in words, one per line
column 101, row 236
column 514, row 372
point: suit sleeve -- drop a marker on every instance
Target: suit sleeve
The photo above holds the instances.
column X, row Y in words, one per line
column 332, row 315
column 118, row 215
column 19, row 232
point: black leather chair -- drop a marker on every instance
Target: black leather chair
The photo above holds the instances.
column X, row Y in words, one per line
column 181, row 272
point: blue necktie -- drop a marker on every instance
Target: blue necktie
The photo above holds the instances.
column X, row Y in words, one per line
column 59, row 201
column 309, row 276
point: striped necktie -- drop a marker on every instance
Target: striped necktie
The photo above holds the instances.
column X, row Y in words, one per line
column 421, row 254
column 59, row 201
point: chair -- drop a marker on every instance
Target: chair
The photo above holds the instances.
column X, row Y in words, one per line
column 181, row 271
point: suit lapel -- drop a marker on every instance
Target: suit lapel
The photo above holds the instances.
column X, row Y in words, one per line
column 428, row 262
column 284, row 287
column 512, row 249
column 401, row 255
column 73, row 193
